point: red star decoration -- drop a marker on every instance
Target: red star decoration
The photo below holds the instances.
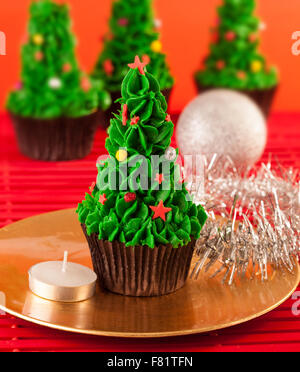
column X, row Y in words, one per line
column 160, row 211
column 168, row 117
column 138, row 64
column 102, row 199
column 92, row 187
column 135, row 120
column 159, row 178
column 124, row 114
column 108, row 67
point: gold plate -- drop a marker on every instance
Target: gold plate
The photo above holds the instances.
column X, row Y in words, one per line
column 202, row 305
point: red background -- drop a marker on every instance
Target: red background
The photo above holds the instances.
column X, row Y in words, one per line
column 185, row 36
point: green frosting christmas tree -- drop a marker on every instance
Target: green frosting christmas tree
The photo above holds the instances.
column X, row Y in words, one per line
column 139, row 197
column 52, row 84
column 234, row 61
column 132, row 32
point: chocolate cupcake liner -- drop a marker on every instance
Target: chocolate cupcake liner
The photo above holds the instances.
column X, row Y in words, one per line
column 140, row 271
column 104, row 120
column 263, row 98
column 55, row 139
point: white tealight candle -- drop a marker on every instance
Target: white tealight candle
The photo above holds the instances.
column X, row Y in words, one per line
column 62, row 281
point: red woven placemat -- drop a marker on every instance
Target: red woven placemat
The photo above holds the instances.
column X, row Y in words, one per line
column 30, row 187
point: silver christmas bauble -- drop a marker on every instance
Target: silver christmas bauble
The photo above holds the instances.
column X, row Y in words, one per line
column 223, row 122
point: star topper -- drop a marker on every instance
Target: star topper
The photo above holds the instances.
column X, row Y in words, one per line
column 138, row 64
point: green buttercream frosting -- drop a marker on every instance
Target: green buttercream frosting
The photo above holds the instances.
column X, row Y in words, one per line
column 132, row 32
column 234, row 60
column 52, row 85
column 142, row 129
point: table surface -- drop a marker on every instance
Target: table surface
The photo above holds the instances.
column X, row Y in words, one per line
column 30, row 187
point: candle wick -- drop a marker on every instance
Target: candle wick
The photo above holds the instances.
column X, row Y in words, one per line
column 65, row 262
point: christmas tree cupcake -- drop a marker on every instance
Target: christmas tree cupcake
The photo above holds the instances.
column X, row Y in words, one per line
column 54, row 107
column 133, row 31
column 139, row 221
column 234, row 61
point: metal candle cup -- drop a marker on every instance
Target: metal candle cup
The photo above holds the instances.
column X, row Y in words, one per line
column 62, row 281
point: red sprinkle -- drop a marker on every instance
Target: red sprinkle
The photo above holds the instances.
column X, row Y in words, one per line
column 129, row 197
column 108, row 67
column 124, row 114
column 92, row 187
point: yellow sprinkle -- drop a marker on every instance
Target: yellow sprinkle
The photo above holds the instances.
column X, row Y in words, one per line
column 121, row 155
column 256, row 66
column 156, row 46
column 38, row 39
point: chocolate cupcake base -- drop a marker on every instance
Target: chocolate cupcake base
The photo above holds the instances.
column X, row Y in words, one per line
column 104, row 119
column 55, row 139
column 140, row 271
column 263, row 98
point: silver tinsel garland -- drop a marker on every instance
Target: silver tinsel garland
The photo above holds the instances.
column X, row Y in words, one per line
column 254, row 219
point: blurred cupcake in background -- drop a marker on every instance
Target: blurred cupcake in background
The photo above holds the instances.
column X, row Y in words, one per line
column 234, row 61
column 133, row 32
column 55, row 106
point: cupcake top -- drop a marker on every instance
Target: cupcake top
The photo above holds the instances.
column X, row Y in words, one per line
column 234, row 61
column 132, row 32
column 52, row 85
column 139, row 197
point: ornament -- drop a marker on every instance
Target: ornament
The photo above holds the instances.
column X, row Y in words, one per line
column 125, row 114
column 230, row 36
column 39, row 56
column 256, row 66
column 156, row 46
column 241, row 75
column 220, row 64
column 108, row 67
column 85, row 84
column 129, row 197
column 264, row 208
column 160, row 211
column 158, row 23
column 123, row 22
column 67, row 67
column 170, row 154
column 38, row 39
column 138, row 64
column 102, row 199
column 134, row 120
column 159, row 178
column 55, row 83
column 168, row 118
column 146, row 59
column 121, row 155
column 224, row 122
